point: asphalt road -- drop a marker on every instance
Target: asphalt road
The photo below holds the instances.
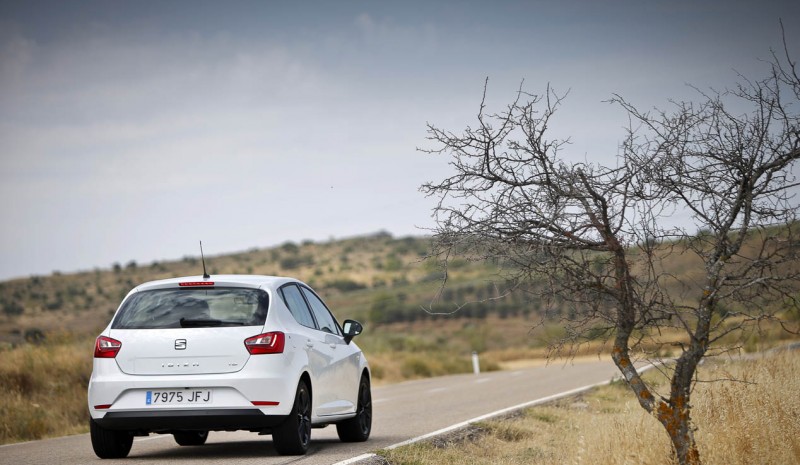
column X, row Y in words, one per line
column 401, row 412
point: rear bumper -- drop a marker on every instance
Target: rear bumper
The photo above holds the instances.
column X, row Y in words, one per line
column 201, row 420
column 264, row 388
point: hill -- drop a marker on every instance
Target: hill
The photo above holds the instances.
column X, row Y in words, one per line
column 377, row 279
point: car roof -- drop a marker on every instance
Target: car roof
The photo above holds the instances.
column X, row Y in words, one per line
column 225, row 280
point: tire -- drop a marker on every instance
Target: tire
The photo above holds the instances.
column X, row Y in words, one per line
column 357, row 429
column 109, row 444
column 293, row 436
column 191, row 438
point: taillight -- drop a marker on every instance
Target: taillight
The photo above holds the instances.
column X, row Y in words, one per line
column 105, row 347
column 267, row 343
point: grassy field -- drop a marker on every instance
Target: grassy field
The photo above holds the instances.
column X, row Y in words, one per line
column 44, row 388
column 44, row 384
column 754, row 419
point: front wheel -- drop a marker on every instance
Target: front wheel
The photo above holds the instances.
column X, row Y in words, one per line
column 109, row 444
column 191, row 438
column 357, row 429
column 293, row 435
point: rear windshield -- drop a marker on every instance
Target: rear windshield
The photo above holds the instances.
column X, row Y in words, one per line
column 193, row 308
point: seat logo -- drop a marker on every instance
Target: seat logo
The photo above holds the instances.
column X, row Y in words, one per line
column 180, row 344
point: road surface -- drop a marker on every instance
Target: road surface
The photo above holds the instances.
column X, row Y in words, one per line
column 401, row 412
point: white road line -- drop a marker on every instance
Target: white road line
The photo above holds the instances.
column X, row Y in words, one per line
column 431, row 391
column 482, row 380
column 355, row 459
column 485, row 417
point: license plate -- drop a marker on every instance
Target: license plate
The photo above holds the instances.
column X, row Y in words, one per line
column 178, row 397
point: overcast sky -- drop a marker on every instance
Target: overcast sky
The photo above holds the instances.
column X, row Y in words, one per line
column 130, row 130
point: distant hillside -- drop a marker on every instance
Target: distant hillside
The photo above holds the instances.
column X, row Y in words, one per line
column 376, row 278
column 381, row 280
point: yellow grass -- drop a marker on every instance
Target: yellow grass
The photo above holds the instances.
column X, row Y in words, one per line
column 753, row 420
column 44, row 389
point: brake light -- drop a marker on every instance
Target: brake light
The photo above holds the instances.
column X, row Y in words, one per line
column 267, row 343
column 196, row 283
column 105, row 347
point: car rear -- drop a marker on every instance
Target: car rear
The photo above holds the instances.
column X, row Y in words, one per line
column 192, row 354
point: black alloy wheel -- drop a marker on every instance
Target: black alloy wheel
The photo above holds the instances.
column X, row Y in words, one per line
column 109, row 444
column 293, row 436
column 358, row 428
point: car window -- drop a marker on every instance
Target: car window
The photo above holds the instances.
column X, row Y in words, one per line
column 183, row 308
column 297, row 305
column 324, row 318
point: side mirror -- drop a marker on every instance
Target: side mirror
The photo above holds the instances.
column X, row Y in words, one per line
column 351, row 329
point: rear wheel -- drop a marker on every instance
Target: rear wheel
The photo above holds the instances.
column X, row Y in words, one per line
column 357, row 429
column 191, row 438
column 109, row 444
column 293, row 435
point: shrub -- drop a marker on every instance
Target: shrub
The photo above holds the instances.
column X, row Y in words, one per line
column 290, row 247
column 296, row 261
column 416, row 367
column 34, row 335
column 346, row 285
column 13, row 308
column 393, row 263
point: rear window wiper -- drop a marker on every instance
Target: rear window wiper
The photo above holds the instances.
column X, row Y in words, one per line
column 205, row 322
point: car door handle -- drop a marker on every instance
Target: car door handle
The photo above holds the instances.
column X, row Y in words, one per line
column 309, row 343
column 332, row 345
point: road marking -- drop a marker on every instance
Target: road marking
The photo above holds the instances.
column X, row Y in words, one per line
column 355, row 459
column 487, row 416
column 482, row 380
column 431, row 391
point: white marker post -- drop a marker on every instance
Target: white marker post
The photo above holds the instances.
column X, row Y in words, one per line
column 476, row 367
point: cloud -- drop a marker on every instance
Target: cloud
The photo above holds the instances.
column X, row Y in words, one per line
column 365, row 23
column 16, row 56
column 123, row 129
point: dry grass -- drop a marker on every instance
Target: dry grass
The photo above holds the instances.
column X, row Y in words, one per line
column 753, row 420
column 44, row 385
column 44, row 389
column 401, row 366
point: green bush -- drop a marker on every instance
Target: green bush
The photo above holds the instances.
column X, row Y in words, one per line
column 13, row 308
column 345, row 285
column 296, row 261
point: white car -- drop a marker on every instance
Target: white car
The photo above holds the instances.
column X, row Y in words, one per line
column 186, row 356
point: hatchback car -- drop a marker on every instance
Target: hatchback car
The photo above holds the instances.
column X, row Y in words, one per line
column 186, row 356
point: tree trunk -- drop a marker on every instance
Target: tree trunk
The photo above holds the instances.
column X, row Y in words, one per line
column 676, row 420
column 673, row 414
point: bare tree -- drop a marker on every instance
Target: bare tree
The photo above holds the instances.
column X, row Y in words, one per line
column 599, row 238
